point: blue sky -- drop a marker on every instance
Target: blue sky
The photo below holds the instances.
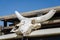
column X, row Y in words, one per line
column 8, row 7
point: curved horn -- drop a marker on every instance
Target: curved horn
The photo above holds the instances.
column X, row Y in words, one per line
column 19, row 16
column 45, row 17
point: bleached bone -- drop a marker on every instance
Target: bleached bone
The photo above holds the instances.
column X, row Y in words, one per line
column 45, row 17
column 19, row 16
column 26, row 26
column 38, row 19
column 27, row 22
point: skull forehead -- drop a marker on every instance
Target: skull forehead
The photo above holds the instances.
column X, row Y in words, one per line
column 26, row 21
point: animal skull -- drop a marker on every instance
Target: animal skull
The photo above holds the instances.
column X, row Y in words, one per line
column 27, row 24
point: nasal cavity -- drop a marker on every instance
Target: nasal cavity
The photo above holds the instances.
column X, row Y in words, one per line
column 33, row 21
column 16, row 27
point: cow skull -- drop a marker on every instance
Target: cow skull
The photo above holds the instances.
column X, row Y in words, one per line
column 27, row 24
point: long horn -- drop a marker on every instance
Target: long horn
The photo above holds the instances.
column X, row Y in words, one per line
column 46, row 16
column 19, row 16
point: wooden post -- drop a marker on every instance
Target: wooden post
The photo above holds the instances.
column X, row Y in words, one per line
column 5, row 23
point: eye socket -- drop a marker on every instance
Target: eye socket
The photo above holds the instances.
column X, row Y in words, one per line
column 33, row 21
column 16, row 27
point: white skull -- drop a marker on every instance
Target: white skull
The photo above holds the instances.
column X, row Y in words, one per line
column 27, row 24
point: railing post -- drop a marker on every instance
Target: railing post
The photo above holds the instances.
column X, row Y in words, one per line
column 5, row 23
